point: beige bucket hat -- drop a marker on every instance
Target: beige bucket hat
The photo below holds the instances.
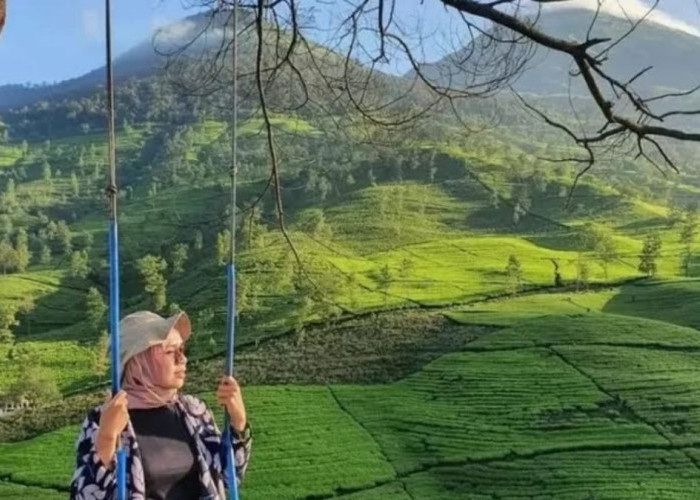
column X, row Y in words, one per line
column 140, row 330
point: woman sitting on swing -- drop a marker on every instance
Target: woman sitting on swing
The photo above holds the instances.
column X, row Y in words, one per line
column 172, row 443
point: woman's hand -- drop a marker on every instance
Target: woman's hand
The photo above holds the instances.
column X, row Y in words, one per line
column 113, row 420
column 229, row 396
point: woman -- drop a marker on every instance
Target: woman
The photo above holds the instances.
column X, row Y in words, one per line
column 172, row 443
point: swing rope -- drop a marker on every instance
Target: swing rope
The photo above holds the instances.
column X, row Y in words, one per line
column 228, row 458
column 113, row 245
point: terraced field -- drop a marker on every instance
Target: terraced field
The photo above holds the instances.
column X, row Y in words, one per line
column 527, row 394
column 670, row 300
column 562, row 406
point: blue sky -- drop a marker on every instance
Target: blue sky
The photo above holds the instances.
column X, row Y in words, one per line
column 52, row 40
column 44, row 41
column 47, row 40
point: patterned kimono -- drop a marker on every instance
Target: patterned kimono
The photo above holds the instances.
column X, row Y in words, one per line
column 92, row 480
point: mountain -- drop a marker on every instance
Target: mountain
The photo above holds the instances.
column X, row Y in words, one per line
column 546, row 73
column 674, row 56
column 144, row 59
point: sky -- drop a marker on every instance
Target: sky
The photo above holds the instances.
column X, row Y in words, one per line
column 52, row 40
column 683, row 15
column 47, row 41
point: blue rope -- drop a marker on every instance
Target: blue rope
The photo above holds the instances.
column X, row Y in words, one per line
column 227, row 454
column 113, row 248
column 114, row 329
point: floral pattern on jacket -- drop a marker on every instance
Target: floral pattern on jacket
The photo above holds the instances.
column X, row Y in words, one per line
column 93, row 480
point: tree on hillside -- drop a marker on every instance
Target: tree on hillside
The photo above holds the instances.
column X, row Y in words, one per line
column 7, row 321
column 173, row 309
column 44, row 254
column 522, row 202
column 152, row 269
column 582, row 272
column 205, row 319
column 46, row 171
column 247, row 290
column 178, row 258
column 6, row 227
column 558, row 281
column 251, row 231
column 313, row 221
column 384, row 280
column 223, row 247
column 79, row 264
column 675, row 215
column 81, row 162
column 650, row 252
column 494, row 40
column 8, row 199
column 688, row 231
column 601, row 241
column 64, row 237
column 7, row 256
column 75, row 185
column 407, row 266
column 22, row 255
column 198, row 240
column 495, row 200
column 95, row 309
column 514, row 274
column 324, row 187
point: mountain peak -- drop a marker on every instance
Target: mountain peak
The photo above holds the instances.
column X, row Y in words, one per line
column 632, row 11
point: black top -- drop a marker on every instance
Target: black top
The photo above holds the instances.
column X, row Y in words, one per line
column 168, row 452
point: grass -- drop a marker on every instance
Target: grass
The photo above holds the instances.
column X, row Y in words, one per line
column 11, row 491
column 9, row 155
column 45, row 299
column 551, row 407
column 42, row 461
column 577, row 397
column 25, row 289
column 594, row 329
column 281, row 124
column 430, row 258
column 305, row 444
column 513, row 310
column 47, row 304
column 659, row 387
column 669, row 300
column 68, row 363
column 487, row 405
column 641, row 475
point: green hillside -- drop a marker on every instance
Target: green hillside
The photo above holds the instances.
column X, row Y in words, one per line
column 542, row 406
column 445, row 317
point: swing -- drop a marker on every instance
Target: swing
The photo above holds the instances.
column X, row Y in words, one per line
column 227, row 458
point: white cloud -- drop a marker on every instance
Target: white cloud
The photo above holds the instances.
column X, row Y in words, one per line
column 158, row 22
column 92, row 26
column 175, row 32
column 633, row 9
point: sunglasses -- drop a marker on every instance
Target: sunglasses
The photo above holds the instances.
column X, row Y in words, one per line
column 178, row 353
